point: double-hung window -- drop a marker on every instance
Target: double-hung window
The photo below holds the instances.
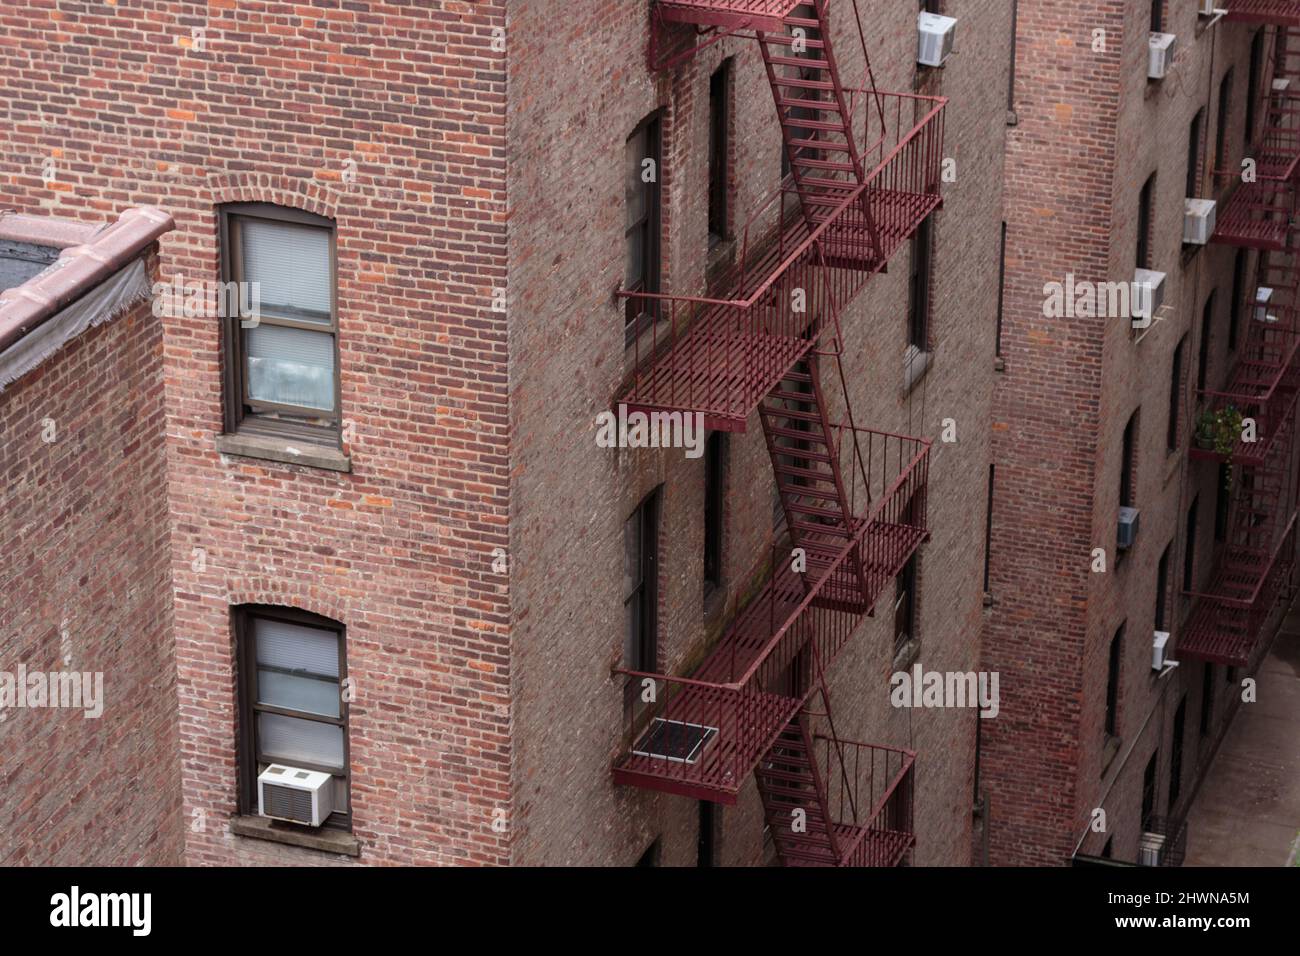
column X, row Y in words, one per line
column 281, row 365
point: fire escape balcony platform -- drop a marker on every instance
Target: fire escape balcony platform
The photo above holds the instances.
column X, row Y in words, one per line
column 794, row 275
column 1284, row 13
column 869, row 791
column 1257, row 216
column 1229, row 618
column 728, row 14
column 703, row 735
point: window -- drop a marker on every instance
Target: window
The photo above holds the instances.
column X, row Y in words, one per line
column 719, row 150
column 1176, row 755
column 1207, row 697
column 291, row 669
column 1238, row 296
column 1112, row 683
column 281, row 372
column 641, row 234
column 905, row 604
column 641, row 593
column 651, row 856
column 1149, row 790
column 1222, row 499
column 1221, row 126
column 1194, row 154
column 714, row 489
column 1144, row 222
column 1157, row 16
column 1002, row 281
column 706, row 848
column 1162, row 590
column 988, row 529
column 1011, row 73
column 918, row 299
column 1175, row 395
column 1189, row 553
column 1129, row 453
column 1252, row 84
column 1207, row 331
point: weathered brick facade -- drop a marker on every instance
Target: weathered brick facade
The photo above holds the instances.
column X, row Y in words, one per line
column 85, row 587
column 1090, row 129
column 470, row 430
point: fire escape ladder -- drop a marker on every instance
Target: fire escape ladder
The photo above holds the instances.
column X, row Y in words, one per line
column 795, row 806
column 816, row 119
column 805, row 452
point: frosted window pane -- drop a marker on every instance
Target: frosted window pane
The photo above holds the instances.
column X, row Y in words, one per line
column 291, row 367
column 291, row 740
column 291, row 264
column 293, row 647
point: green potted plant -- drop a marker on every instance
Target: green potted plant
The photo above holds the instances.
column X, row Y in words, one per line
column 1218, row 430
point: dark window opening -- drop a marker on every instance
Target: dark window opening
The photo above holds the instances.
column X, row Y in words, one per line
column 988, row 528
column 1002, row 281
column 1189, row 551
column 651, row 856
column 641, row 595
column 905, row 604
column 1238, row 297
column 714, row 492
column 1112, row 683
column 1149, row 790
column 643, row 164
column 1222, row 501
column 1176, row 755
column 1162, row 590
column 1157, row 16
column 1145, row 199
column 1221, row 128
column 1252, row 84
column 1126, row 465
column 706, row 848
column 1207, row 330
column 918, row 300
column 1194, row 154
column 719, row 150
column 1207, row 697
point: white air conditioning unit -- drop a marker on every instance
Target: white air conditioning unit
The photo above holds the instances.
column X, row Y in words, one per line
column 1263, row 296
column 1151, row 848
column 1207, row 8
column 295, row 795
column 1128, row 527
column 1198, row 221
column 1148, row 296
column 935, row 34
column 1158, row 650
column 1161, row 55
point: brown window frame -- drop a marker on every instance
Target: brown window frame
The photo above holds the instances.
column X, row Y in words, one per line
column 249, row 755
column 640, row 314
column 241, row 414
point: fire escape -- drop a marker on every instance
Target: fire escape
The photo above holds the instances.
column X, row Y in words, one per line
column 1254, row 572
column 864, row 174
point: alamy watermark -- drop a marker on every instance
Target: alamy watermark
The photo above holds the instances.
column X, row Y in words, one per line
column 211, row 300
column 651, row 430
column 952, row 689
column 78, row 690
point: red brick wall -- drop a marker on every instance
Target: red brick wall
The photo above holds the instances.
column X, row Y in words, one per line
column 84, row 586
column 284, row 102
column 1084, row 145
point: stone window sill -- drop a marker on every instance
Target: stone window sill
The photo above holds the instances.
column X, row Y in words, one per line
column 282, row 450
column 322, row 839
column 915, row 364
column 907, row 655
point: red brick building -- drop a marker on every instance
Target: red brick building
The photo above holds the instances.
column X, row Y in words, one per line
column 1099, row 418
column 396, row 552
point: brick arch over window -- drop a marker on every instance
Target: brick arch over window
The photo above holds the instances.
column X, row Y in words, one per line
column 290, row 191
column 300, row 596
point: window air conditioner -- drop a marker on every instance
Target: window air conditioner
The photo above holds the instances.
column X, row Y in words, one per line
column 1198, row 221
column 1158, row 650
column 1128, row 527
column 1207, row 8
column 295, row 795
column 1148, row 296
column 1151, row 848
column 1263, row 296
column 1161, row 55
column 935, row 36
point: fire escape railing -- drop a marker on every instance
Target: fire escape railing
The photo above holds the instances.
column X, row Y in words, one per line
column 734, row 703
column 720, row 356
column 1279, row 12
column 869, row 792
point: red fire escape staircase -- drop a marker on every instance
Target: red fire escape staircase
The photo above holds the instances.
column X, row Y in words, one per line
column 1284, row 13
column 865, row 172
column 1254, row 570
